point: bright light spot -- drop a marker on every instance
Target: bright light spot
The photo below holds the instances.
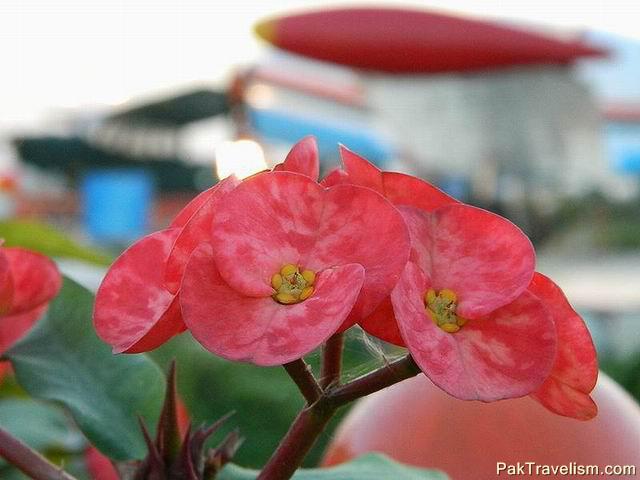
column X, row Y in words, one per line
column 241, row 158
column 260, row 96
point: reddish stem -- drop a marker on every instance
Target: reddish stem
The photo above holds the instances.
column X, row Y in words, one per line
column 310, row 423
column 332, row 360
column 301, row 373
column 28, row 460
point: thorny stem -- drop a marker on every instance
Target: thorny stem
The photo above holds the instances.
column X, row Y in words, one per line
column 29, row 461
column 313, row 419
column 332, row 360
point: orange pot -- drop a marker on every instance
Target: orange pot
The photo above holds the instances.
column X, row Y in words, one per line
column 416, row 423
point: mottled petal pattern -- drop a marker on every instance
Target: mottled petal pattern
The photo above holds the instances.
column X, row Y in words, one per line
column 505, row 355
column 6, row 284
column 481, row 256
column 197, row 229
column 133, row 309
column 36, row 279
column 575, row 371
column 303, row 158
column 260, row 330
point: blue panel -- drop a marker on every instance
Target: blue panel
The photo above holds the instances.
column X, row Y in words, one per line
column 276, row 125
column 117, row 203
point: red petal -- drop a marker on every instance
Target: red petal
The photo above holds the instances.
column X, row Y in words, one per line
column 506, row 355
column 13, row 327
column 278, row 218
column 337, row 176
column 192, row 207
column 382, row 324
column 134, row 312
column 99, row 466
column 260, row 330
column 6, row 284
column 481, row 256
column 303, row 158
column 195, row 230
column 398, row 188
column 360, row 226
column 575, row 371
column 36, row 279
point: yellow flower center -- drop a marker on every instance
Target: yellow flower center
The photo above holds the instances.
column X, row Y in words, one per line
column 292, row 284
column 441, row 307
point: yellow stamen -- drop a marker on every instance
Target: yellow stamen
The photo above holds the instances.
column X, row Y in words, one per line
column 309, row 276
column 306, row 293
column 448, row 295
column 430, row 296
column 460, row 321
column 288, row 269
column 286, row 298
column 450, row 327
column 276, row 281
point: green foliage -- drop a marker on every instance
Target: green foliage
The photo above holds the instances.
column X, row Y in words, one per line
column 367, row 467
column 48, row 240
column 62, row 360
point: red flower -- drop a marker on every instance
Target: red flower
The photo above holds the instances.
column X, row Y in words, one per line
column 28, row 281
column 566, row 388
column 290, row 262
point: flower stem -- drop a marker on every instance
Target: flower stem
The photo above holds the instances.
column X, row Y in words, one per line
column 332, row 360
column 28, row 460
column 302, row 375
column 313, row 419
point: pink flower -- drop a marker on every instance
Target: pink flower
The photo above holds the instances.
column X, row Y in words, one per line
column 484, row 266
column 28, row 282
column 137, row 307
column 288, row 263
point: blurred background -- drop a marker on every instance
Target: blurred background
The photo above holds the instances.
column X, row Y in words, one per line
column 114, row 114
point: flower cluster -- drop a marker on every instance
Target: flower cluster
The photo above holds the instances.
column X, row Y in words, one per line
column 266, row 269
column 28, row 281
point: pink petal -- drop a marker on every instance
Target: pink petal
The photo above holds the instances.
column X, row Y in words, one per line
column 133, row 311
column 398, row 188
column 481, row 256
column 575, row 371
column 6, row 283
column 278, row 218
column 506, row 355
column 360, row 226
column 303, row 158
column 337, row 176
column 260, row 330
column 36, row 279
column 13, row 327
column 381, row 323
column 195, row 230
column 192, row 207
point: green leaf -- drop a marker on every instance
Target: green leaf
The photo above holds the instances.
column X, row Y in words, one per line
column 48, row 240
column 372, row 466
column 40, row 425
column 63, row 360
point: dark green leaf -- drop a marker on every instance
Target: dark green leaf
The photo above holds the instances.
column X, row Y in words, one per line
column 367, row 467
column 63, row 360
column 45, row 239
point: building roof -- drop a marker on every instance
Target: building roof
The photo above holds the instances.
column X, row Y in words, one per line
column 415, row 41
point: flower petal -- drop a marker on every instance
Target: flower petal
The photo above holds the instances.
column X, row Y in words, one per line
column 194, row 205
column 36, row 279
column 481, row 256
column 6, row 283
column 398, row 188
column 506, row 355
column 360, row 226
column 381, row 323
column 337, row 176
column 303, row 158
column 194, row 231
column 13, row 327
column 575, row 371
column 134, row 312
column 260, row 330
column 277, row 218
